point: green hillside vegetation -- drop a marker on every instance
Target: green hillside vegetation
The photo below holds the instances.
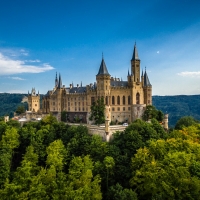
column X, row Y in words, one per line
column 178, row 106
column 10, row 103
column 52, row 160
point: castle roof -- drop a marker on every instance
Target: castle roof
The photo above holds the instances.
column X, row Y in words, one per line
column 135, row 53
column 103, row 69
column 76, row 90
column 146, row 79
column 119, row 83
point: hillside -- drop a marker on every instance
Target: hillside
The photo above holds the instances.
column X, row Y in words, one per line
column 175, row 106
column 178, row 106
column 10, row 102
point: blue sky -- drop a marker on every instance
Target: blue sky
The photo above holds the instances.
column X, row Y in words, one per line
column 39, row 38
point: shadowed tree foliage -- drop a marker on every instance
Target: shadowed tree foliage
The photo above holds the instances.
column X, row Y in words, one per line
column 185, row 122
column 97, row 111
column 151, row 112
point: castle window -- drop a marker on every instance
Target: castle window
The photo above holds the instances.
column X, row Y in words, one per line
column 106, row 87
column 123, row 108
column 83, row 103
column 118, row 100
column 68, row 103
column 79, row 109
column 118, row 108
column 68, row 108
column 75, row 109
column 35, row 104
column 129, row 108
column 137, row 98
column 113, row 100
column 92, row 100
column 83, row 109
column 124, row 100
column 129, row 100
column 106, row 100
column 113, row 109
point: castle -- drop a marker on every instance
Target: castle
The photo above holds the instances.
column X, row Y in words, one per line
column 124, row 101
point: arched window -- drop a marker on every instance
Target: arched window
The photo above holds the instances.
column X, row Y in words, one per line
column 129, row 100
column 124, row 100
column 113, row 100
column 106, row 100
column 118, row 100
column 137, row 98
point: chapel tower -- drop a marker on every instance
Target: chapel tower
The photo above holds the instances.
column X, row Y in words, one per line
column 33, row 101
column 103, row 86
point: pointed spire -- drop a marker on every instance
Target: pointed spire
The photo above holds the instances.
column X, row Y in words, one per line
column 38, row 92
column 81, row 84
column 28, row 91
column 60, row 82
column 142, row 72
column 103, row 69
column 56, row 80
column 128, row 73
column 135, row 53
column 121, row 78
column 72, row 84
column 146, row 79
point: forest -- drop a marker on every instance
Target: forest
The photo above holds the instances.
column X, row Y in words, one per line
column 53, row 160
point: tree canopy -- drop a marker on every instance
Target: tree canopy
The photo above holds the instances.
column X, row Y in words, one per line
column 97, row 111
column 52, row 160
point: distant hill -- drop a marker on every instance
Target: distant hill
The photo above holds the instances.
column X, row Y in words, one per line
column 10, row 102
column 175, row 106
column 178, row 106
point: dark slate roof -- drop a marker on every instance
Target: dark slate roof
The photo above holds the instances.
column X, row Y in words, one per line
column 76, row 90
column 135, row 54
column 60, row 82
column 47, row 94
column 146, row 80
column 103, row 69
column 119, row 83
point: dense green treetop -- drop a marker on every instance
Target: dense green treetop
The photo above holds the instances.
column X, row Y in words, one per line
column 52, row 160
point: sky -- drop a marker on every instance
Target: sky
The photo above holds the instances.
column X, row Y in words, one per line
column 39, row 38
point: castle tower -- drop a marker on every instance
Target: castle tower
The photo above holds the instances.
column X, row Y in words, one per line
column 165, row 122
column 135, row 65
column 103, row 87
column 34, row 101
column 147, row 90
column 56, row 81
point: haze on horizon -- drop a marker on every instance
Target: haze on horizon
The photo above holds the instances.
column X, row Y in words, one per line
column 38, row 39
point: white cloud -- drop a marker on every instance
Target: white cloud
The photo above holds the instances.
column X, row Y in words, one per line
column 189, row 74
column 11, row 66
column 24, row 52
column 33, row 61
column 158, row 52
column 17, row 78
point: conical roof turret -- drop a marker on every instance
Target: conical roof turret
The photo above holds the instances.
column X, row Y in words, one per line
column 103, row 69
column 135, row 53
column 146, row 79
column 59, row 82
